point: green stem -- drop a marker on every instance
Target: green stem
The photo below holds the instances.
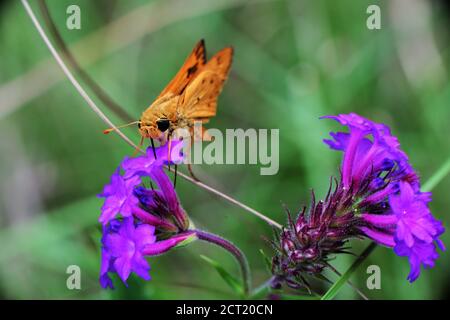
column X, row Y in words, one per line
column 349, row 282
column 437, row 177
column 262, row 291
column 331, row 293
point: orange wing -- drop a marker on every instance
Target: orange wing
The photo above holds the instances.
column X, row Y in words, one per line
column 199, row 100
column 191, row 67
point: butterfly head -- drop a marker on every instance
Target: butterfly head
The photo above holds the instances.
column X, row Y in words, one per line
column 155, row 129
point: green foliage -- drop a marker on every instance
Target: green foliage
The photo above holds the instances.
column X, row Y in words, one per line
column 231, row 281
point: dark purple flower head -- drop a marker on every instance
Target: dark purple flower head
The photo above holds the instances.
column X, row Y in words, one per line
column 304, row 247
column 152, row 220
column 386, row 193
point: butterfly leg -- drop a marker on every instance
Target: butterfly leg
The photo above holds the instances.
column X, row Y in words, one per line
column 138, row 148
column 175, row 177
column 153, row 147
column 192, row 173
column 169, row 150
column 189, row 165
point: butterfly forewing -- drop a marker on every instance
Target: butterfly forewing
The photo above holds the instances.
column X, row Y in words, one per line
column 190, row 69
column 199, row 100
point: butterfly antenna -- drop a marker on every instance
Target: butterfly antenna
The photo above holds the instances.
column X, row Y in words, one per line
column 106, row 131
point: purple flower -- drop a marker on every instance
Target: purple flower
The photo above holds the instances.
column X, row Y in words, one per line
column 126, row 241
column 362, row 154
column 421, row 253
column 383, row 187
column 164, row 201
column 124, row 245
column 122, row 250
column 119, row 194
column 414, row 219
column 143, row 165
column 119, row 197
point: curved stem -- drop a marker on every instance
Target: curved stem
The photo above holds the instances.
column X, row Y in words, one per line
column 70, row 76
column 99, row 92
column 231, row 248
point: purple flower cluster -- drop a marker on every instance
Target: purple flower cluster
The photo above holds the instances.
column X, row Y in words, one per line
column 377, row 196
column 385, row 192
column 151, row 221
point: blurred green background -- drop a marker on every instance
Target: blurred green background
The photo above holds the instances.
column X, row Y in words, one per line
column 295, row 60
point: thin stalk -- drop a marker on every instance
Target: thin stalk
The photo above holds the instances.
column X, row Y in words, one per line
column 437, row 177
column 229, row 199
column 102, row 116
column 331, row 293
column 348, row 282
column 262, row 290
column 231, row 248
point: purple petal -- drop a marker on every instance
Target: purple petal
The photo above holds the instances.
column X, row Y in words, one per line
column 141, row 267
column 380, row 219
column 153, row 220
column 349, row 157
column 420, row 254
column 379, row 237
column 161, row 247
column 122, row 266
column 167, row 189
column 105, row 281
column 144, row 164
column 353, row 121
column 144, row 235
column 118, row 245
column 105, row 265
column 119, row 197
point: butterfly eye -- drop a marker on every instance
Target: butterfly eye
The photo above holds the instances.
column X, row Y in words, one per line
column 163, row 124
